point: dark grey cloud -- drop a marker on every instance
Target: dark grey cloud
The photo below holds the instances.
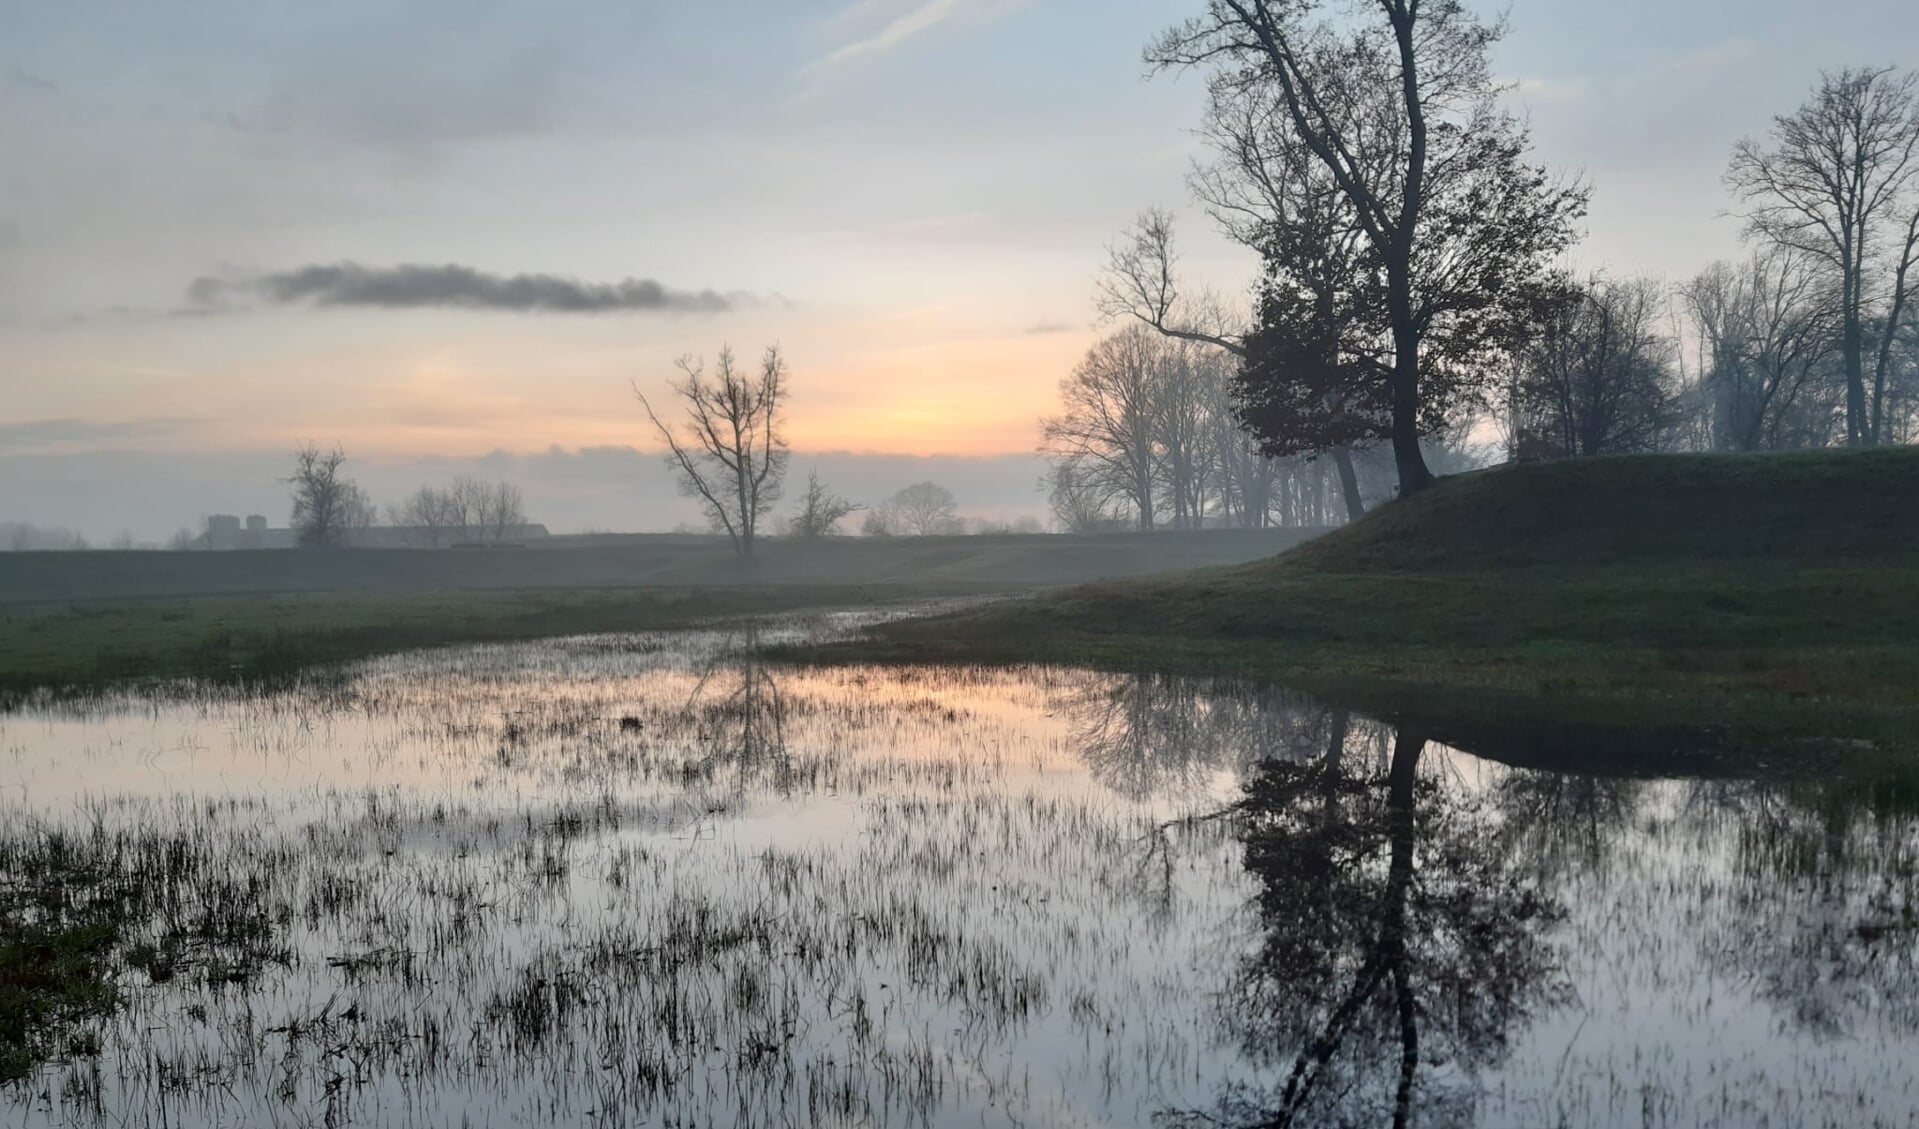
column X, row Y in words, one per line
column 37, row 434
column 1048, row 328
column 416, row 286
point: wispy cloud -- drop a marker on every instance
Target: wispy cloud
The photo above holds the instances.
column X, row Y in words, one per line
column 417, row 286
column 896, row 31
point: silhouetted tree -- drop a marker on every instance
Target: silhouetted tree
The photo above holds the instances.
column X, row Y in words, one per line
column 1768, row 334
column 1271, row 196
column 923, row 509
column 1141, row 282
column 327, row 506
column 1398, row 106
column 468, row 510
column 1081, row 502
column 1189, row 389
column 1839, row 182
column 729, row 454
column 1107, row 425
column 1595, row 376
column 820, row 510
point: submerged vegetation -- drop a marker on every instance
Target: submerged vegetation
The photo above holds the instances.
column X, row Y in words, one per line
column 652, row 878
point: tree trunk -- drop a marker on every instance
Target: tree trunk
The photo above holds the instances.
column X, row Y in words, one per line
column 1403, row 778
column 1349, row 482
column 1853, row 345
column 1413, row 473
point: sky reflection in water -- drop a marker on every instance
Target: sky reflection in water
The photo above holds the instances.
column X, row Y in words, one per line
column 647, row 879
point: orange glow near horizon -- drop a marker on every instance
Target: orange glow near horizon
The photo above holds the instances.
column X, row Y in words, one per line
column 935, row 380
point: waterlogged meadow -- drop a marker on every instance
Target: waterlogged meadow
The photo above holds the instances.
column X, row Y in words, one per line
column 656, row 879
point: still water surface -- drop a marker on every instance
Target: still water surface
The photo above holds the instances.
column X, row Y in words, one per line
column 655, row 880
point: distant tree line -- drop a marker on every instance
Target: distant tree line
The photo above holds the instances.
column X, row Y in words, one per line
column 466, row 511
column 24, row 537
column 330, row 510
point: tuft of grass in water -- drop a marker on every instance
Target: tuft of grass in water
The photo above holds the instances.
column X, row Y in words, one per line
column 52, row 978
column 71, row 904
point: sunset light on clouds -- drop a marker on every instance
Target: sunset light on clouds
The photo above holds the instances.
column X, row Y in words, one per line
column 912, row 198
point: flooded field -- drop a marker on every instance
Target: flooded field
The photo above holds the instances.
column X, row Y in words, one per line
column 656, row 880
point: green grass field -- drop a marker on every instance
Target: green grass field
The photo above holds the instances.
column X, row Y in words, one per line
column 1682, row 584
column 1000, row 561
column 81, row 647
column 77, row 621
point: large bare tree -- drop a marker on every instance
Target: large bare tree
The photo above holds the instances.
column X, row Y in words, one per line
column 729, row 453
column 1397, row 106
column 1838, row 179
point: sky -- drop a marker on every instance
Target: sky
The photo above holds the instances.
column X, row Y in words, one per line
column 911, row 198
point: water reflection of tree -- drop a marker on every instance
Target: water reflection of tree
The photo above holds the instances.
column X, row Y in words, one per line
column 1561, row 822
column 1398, row 947
column 1822, row 910
column 1155, row 735
column 740, row 712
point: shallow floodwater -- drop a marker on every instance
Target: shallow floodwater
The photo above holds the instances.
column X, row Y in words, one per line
column 653, row 879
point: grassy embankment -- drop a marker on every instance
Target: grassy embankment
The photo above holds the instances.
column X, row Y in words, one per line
column 85, row 620
column 1671, row 586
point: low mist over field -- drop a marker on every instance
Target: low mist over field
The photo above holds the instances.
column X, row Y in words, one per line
column 1204, row 564
column 607, row 489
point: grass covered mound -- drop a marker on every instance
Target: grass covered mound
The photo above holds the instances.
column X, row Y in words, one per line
column 1792, row 576
column 1810, row 506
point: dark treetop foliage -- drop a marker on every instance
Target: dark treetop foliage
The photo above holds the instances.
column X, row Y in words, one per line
column 1392, row 101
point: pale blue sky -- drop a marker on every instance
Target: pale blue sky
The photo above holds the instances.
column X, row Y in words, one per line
column 911, row 196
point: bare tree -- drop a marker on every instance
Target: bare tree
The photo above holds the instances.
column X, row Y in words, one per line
column 327, row 507
column 820, row 510
column 467, row 510
column 729, row 454
column 1188, row 388
column 502, row 511
column 1596, row 377
column 1398, row 106
column 1082, row 502
column 1106, row 425
column 429, row 515
column 1141, row 283
column 924, row 509
column 1840, row 182
column 1768, row 331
